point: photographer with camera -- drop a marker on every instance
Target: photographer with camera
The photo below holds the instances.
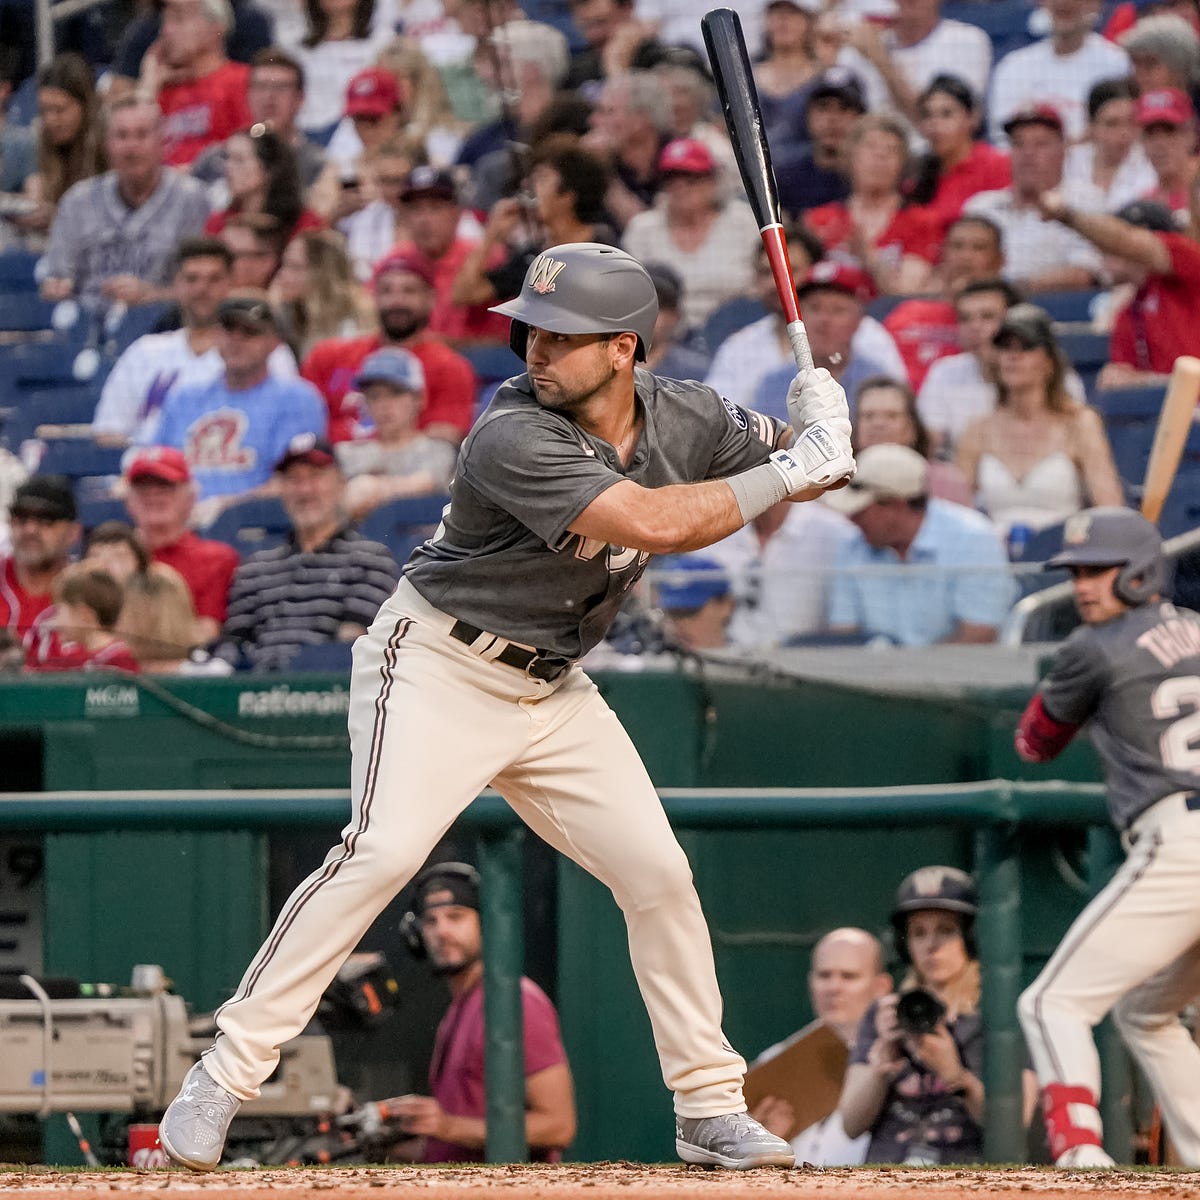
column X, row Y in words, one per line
column 914, row 1079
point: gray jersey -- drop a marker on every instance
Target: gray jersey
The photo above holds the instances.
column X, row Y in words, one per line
column 1137, row 679
column 504, row 560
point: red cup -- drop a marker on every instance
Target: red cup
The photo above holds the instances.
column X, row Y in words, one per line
column 145, row 1150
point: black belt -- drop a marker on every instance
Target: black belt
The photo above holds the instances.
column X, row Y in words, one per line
column 536, row 663
column 1192, row 803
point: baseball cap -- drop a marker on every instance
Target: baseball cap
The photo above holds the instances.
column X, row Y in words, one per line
column 1035, row 114
column 842, row 84
column 164, row 463
column 885, row 472
column 1030, row 325
column 401, row 368
column 373, row 92
column 307, row 448
column 402, row 260
column 689, row 581
column 686, row 156
column 45, row 496
column 1148, row 214
column 840, row 277
column 1165, row 106
column 431, row 182
column 250, row 312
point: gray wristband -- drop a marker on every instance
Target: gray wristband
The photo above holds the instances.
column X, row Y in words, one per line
column 758, row 489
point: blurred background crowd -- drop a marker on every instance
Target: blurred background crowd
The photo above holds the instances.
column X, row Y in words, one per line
column 248, row 249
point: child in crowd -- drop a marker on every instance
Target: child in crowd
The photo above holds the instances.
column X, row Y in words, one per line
column 76, row 634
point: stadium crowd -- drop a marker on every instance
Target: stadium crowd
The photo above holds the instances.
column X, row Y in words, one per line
column 271, row 231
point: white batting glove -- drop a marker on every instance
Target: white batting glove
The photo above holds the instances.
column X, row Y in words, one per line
column 819, row 458
column 816, row 396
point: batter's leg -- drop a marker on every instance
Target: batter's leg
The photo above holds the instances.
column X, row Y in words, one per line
column 1145, row 918
column 582, row 787
column 425, row 740
column 1148, row 1019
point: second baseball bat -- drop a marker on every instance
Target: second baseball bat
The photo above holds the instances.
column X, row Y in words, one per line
column 730, row 61
column 1174, row 423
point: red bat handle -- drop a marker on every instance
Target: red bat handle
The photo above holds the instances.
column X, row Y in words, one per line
column 781, row 270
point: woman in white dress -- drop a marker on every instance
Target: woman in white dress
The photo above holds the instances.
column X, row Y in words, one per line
column 1040, row 456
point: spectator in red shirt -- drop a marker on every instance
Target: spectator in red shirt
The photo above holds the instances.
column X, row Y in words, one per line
column 957, row 166
column 1142, row 246
column 431, row 210
column 42, row 518
column 404, row 301
column 201, row 93
column 895, row 243
column 443, row 928
column 926, row 328
column 77, row 634
column 160, row 500
column 1168, row 124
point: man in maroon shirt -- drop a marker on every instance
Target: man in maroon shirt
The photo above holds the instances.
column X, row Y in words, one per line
column 42, row 519
column 1142, row 246
column 450, row 1125
column 160, row 500
column 404, row 298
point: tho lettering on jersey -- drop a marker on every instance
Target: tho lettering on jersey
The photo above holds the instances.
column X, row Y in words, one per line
column 214, row 442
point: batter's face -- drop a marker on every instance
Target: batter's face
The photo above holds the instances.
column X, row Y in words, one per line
column 452, row 933
column 568, row 370
column 1094, row 597
column 935, row 942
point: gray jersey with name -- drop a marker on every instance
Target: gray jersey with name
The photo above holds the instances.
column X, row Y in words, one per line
column 1136, row 678
column 504, row 559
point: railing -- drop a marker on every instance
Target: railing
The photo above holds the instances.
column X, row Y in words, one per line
column 46, row 14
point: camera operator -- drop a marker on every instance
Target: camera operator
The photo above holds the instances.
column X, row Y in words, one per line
column 914, row 1079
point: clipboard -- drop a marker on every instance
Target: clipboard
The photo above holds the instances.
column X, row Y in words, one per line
column 807, row 1072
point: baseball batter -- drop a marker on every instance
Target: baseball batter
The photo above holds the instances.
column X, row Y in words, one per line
column 1133, row 671
column 576, row 474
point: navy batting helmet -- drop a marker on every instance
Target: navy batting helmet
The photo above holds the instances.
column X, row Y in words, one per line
column 1116, row 537
column 583, row 287
column 943, row 888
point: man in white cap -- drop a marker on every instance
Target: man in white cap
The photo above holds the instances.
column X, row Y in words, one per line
column 950, row 580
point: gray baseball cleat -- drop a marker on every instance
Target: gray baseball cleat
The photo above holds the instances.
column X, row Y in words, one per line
column 193, row 1128
column 735, row 1141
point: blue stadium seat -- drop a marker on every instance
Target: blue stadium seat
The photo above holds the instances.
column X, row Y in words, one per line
column 1067, row 306
column 1085, row 351
column 252, row 525
column 401, row 525
column 492, row 364
column 1131, row 450
column 1006, row 24
column 728, row 318
column 68, row 404
column 79, row 458
column 1041, row 545
column 24, row 312
column 322, row 656
column 17, row 271
column 95, row 510
column 141, row 319
column 1125, row 406
column 42, row 364
column 881, row 307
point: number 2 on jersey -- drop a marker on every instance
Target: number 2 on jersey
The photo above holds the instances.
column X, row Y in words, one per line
column 1178, row 742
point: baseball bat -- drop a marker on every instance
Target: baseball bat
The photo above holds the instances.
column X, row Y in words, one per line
column 1174, row 422
column 730, row 61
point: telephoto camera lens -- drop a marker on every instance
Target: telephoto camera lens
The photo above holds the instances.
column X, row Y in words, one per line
column 918, row 1012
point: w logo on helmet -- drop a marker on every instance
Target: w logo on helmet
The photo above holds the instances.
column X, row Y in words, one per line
column 543, row 273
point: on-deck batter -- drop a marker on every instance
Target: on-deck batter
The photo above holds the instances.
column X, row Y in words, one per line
column 577, row 472
column 1133, row 671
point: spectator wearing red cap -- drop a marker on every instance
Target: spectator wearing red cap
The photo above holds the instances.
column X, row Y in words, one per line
column 1168, row 124
column 1058, row 71
column 1039, row 256
column 44, row 526
column 263, row 177
column 160, row 501
column 404, row 300
column 433, row 216
column 708, row 240
column 203, row 96
column 374, row 115
column 895, row 243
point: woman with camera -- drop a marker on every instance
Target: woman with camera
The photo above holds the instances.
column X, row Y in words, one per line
column 914, row 1079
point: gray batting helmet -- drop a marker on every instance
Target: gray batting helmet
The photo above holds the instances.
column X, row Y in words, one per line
column 1115, row 537
column 583, row 287
column 944, row 888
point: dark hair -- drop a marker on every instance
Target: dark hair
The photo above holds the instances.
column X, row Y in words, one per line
column 83, row 156
column 284, row 199
column 978, row 287
column 94, row 589
column 878, row 383
column 264, row 227
column 272, row 56
column 318, row 22
column 202, row 247
column 979, row 219
column 582, row 173
column 928, row 174
column 117, row 533
column 1107, row 90
column 566, row 113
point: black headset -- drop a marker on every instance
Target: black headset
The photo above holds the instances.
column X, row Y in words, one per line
column 410, row 923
